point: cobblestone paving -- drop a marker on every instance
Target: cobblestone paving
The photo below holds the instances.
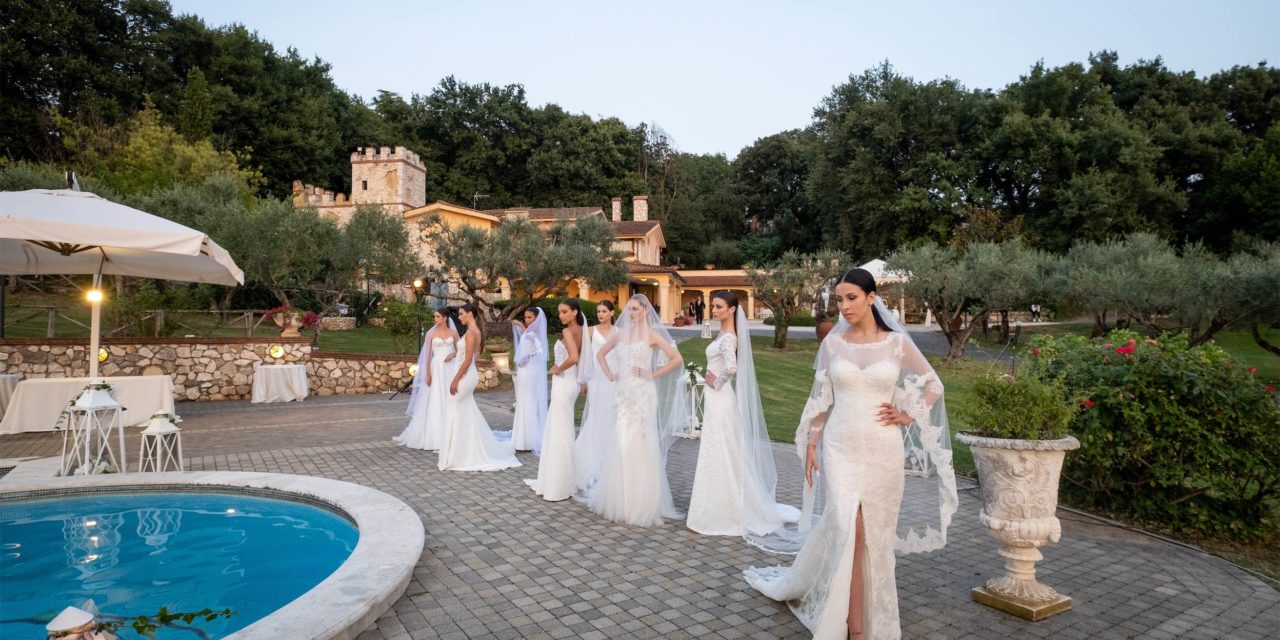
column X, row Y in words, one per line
column 500, row 563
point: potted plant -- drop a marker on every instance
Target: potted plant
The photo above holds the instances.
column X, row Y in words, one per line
column 1019, row 441
column 823, row 311
column 291, row 320
column 499, row 350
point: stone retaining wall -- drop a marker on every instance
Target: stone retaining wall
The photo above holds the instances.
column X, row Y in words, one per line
column 214, row 368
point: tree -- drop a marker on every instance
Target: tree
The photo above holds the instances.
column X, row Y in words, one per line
column 787, row 285
column 195, row 115
column 772, row 177
column 535, row 263
column 372, row 247
column 982, row 278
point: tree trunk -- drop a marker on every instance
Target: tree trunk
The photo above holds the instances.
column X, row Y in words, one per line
column 1266, row 346
column 1099, row 324
column 780, row 330
column 1004, row 327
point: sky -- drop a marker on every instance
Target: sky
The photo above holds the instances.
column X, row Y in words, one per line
column 716, row 76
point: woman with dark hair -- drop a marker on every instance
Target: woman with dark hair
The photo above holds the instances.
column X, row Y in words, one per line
column 530, row 381
column 873, row 390
column 555, row 479
column 468, row 443
column 597, row 433
column 736, row 479
column 431, row 386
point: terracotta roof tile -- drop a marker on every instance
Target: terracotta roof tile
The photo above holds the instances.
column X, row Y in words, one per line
column 716, row 281
column 547, row 213
column 634, row 228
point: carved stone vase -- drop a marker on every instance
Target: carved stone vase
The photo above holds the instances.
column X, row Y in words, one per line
column 1019, row 481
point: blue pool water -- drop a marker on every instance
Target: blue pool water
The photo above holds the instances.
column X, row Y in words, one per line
column 133, row 553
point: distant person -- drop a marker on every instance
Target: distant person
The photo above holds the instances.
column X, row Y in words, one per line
column 1035, row 313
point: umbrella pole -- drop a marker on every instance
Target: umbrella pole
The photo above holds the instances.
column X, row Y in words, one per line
column 95, row 317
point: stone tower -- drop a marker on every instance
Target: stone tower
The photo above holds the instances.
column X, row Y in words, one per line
column 394, row 178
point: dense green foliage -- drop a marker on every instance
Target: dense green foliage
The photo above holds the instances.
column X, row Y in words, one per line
column 1021, row 408
column 401, row 321
column 1181, row 436
column 1083, row 151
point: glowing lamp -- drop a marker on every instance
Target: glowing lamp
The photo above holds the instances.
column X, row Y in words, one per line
column 94, row 295
column 413, row 370
column 102, row 354
column 276, row 351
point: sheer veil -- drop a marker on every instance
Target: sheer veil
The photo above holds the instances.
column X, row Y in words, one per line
column 584, row 351
column 419, row 390
column 531, row 360
column 929, row 498
column 761, row 514
column 672, row 414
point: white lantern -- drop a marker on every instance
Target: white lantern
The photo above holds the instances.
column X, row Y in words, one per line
column 161, row 444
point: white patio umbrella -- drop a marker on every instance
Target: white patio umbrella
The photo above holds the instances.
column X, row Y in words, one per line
column 46, row 232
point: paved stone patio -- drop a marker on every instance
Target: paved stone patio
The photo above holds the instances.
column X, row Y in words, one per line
column 500, row 563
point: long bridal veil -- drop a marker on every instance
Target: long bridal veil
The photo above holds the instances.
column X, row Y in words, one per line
column 761, row 513
column 419, row 389
column 632, row 338
column 531, row 360
column 929, row 499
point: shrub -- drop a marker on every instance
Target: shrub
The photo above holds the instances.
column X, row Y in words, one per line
column 800, row 319
column 1178, row 436
column 1023, row 408
column 550, row 307
column 401, row 321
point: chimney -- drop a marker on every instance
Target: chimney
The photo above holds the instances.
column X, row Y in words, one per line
column 640, row 208
column 617, row 210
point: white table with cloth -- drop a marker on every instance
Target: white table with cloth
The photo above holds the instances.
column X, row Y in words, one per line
column 38, row 402
column 8, row 381
column 279, row 382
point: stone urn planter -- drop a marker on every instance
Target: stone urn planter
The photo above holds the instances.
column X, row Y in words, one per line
column 1019, row 480
column 290, row 323
column 823, row 328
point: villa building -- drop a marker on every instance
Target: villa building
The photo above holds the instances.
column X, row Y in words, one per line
column 395, row 179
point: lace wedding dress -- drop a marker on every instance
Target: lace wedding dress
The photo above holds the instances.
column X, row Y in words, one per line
column 633, row 482
column 716, row 503
column 468, row 443
column 555, row 479
column 427, row 404
column 861, row 466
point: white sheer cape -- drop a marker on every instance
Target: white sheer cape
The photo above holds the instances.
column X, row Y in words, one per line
column 531, row 369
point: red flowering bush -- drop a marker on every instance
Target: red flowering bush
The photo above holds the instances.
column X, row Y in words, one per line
column 1182, row 437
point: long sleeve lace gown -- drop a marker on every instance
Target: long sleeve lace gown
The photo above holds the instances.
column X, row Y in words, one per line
column 555, row 479
column 427, row 406
column 468, row 443
column 716, row 503
column 861, row 466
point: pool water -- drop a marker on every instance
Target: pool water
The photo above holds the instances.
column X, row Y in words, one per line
column 133, row 553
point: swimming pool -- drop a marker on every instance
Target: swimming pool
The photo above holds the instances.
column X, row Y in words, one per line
column 135, row 552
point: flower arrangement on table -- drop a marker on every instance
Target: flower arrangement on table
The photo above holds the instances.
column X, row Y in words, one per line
column 695, row 373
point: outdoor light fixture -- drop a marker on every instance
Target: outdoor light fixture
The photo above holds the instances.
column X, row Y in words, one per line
column 413, row 370
column 102, row 354
column 94, row 295
column 276, row 351
column 417, row 283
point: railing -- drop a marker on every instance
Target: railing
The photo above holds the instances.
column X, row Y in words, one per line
column 55, row 322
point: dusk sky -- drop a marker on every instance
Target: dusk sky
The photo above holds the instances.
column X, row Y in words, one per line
column 718, row 75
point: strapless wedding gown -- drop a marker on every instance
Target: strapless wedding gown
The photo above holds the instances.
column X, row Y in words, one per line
column 555, row 479
column 427, row 416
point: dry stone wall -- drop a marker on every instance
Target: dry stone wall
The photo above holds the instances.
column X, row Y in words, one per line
column 214, row 368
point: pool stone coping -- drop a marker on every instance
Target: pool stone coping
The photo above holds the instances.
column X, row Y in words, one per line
column 341, row 606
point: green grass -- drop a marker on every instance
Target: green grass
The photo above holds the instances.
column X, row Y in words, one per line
column 362, row 340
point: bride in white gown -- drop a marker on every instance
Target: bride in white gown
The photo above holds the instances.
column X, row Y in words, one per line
column 871, row 382
column 468, row 443
column 651, row 406
column 430, row 394
column 735, row 482
column 596, row 436
column 555, row 479
column 531, row 381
